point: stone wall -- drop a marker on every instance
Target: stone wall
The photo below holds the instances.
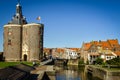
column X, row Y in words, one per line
column 103, row 73
column 12, row 42
column 23, row 42
column 32, row 44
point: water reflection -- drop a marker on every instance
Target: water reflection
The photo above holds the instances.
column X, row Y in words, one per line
column 90, row 77
column 73, row 73
column 69, row 73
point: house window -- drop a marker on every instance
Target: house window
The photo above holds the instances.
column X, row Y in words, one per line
column 110, row 57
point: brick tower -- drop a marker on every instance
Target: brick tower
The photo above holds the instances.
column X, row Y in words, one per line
column 23, row 41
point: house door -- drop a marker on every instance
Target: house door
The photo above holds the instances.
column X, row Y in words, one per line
column 25, row 57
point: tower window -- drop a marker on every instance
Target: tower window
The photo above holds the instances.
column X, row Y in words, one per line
column 9, row 42
column 9, row 29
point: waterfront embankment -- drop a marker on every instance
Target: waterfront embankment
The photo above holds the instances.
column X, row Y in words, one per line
column 44, row 72
column 103, row 73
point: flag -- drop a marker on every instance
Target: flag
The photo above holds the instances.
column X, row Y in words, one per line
column 38, row 18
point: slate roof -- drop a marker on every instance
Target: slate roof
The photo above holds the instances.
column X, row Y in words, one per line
column 18, row 18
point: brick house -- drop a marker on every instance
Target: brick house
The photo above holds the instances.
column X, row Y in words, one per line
column 105, row 49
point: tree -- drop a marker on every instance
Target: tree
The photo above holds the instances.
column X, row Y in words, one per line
column 99, row 61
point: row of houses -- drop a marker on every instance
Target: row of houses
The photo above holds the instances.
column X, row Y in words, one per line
column 62, row 53
column 106, row 50
column 89, row 51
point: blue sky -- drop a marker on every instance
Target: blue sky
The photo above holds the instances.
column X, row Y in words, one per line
column 67, row 22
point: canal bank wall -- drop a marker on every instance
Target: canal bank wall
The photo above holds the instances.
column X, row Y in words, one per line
column 102, row 73
column 45, row 72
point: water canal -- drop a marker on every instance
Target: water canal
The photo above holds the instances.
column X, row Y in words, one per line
column 73, row 73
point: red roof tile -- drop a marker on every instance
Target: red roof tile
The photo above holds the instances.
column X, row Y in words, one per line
column 87, row 46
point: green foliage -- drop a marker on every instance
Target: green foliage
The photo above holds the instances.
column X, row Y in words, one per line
column 6, row 64
column 99, row 61
column 81, row 61
column 28, row 63
column 114, row 61
column 104, row 63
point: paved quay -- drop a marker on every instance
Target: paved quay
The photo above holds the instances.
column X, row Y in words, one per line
column 43, row 73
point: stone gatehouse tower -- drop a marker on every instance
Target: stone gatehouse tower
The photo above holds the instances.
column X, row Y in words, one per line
column 23, row 41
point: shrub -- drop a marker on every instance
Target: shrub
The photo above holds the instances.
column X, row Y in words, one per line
column 81, row 61
column 114, row 61
column 99, row 61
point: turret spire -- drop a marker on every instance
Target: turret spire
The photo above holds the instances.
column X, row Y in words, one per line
column 18, row 18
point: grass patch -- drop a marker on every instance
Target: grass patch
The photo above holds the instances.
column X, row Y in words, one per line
column 6, row 64
column 28, row 63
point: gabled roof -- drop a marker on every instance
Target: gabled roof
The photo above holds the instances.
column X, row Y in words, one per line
column 75, row 49
column 60, row 50
column 95, row 42
column 105, row 45
column 109, row 44
column 113, row 42
column 87, row 46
